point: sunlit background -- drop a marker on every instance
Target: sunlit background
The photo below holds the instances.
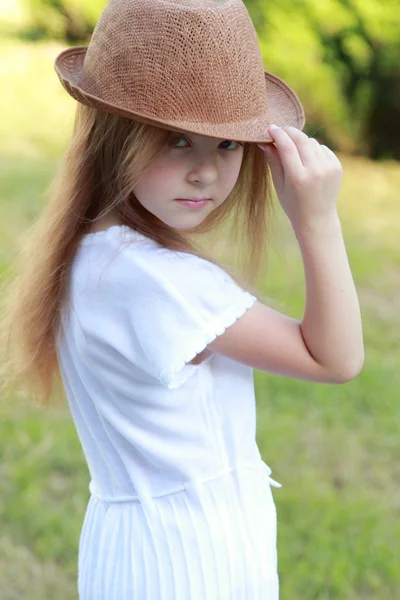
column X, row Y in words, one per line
column 335, row 449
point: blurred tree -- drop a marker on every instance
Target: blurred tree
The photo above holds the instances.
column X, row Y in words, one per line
column 369, row 49
column 343, row 59
column 70, row 20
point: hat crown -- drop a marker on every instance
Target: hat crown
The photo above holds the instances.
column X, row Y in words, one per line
column 195, row 60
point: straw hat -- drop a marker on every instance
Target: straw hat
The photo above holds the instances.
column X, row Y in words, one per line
column 184, row 65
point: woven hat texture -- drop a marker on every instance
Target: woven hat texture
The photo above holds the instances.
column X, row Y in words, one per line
column 184, row 65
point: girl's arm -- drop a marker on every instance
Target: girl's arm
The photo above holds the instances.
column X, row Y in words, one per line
column 327, row 345
column 331, row 325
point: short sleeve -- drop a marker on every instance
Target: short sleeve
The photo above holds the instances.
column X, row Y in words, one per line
column 164, row 308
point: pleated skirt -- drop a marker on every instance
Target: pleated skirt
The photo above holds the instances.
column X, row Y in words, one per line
column 220, row 547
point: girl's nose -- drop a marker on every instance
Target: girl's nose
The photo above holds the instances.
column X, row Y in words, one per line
column 205, row 172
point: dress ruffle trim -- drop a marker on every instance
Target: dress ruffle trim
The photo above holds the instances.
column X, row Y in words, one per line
column 176, row 375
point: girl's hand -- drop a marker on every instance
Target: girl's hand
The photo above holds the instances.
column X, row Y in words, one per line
column 306, row 176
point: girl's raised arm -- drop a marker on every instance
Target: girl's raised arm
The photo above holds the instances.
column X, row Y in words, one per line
column 327, row 345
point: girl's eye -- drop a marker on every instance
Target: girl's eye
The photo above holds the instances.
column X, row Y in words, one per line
column 231, row 142
column 179, row 140
column 224, row 148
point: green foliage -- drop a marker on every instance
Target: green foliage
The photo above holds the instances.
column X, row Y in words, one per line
column 72, row 20
column 341, row 57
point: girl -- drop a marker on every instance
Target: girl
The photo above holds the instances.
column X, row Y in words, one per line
column 153, row 340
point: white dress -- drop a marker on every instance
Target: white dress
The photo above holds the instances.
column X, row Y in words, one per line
column 181, row 505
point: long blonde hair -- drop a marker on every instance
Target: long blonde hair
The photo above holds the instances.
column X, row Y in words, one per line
column 106, row 157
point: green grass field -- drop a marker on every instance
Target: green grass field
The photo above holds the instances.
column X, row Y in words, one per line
column 335, row 449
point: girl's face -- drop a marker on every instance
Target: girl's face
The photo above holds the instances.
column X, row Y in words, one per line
column 189, row 166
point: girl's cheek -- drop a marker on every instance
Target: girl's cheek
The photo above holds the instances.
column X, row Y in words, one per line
column 165, row 171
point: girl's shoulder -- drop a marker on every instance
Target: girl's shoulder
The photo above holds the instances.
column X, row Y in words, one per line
column 124, row 248
column 120, row 261
column 116, row 233
column 158, row 308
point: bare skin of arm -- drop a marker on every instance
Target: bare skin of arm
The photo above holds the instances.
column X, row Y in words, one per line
column 327, row 344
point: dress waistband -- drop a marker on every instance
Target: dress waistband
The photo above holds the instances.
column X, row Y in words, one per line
column 195, row 481
column 272, row 481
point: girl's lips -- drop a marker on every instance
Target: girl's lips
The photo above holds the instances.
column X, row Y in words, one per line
column 193, row 203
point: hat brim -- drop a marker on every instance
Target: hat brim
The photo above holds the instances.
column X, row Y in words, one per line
column 284, row 105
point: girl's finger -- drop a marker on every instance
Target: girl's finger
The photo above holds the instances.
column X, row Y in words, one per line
column 306, row 146
column 287, row 149
column 315, row 144
column 318, row 149
column 329, row 153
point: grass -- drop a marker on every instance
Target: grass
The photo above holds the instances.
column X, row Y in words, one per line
column 334, row 448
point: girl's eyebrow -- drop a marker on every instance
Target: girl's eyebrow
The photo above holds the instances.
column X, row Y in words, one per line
column 186, row 134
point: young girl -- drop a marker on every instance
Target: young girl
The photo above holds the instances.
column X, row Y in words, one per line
column 154, row 340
